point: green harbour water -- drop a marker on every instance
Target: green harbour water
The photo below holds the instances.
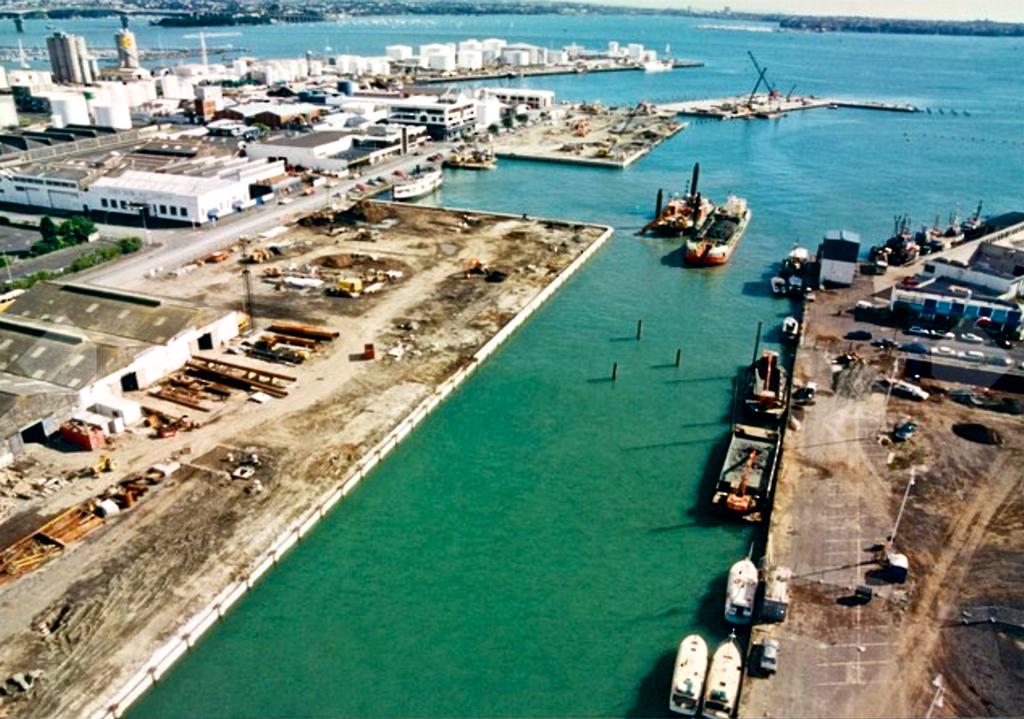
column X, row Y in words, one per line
column 538, row 547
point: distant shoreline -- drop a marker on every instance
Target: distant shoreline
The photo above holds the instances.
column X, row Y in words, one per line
column 220, row 14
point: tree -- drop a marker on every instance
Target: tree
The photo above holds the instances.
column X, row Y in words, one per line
column 508, row 121
column 76, row 230
column 48, row 229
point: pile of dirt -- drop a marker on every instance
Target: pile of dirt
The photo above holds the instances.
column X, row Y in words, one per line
column 976, row 432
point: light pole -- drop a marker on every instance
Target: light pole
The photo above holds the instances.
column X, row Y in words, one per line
column 903, row 505
column 937, row 698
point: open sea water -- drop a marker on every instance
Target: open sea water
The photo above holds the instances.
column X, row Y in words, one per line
column 540, row 545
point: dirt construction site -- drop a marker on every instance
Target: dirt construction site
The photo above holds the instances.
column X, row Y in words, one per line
column 359, row 316
column 591, row 134
column 948, row 641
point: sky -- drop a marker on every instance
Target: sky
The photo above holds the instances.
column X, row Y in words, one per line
column 1003, row 10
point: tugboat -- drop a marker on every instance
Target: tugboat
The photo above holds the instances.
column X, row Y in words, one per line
column 723, row 685
column 688, row 676
column 792, row 277
column 766, row 392
column 716, row 241
column 681, row 216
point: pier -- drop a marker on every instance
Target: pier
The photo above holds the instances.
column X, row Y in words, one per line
column 765, row 106
column 497, row 74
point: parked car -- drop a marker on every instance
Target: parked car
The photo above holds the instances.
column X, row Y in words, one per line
column 885, row 343
column 940, row 334
column 904, row 432
column 971, row 338
column 858, row 335
column 769, row 656
column 972, row 356
column 1000, row 361
column 944, row 351
column 915, row 348
column 805, row 395
column 919, row 331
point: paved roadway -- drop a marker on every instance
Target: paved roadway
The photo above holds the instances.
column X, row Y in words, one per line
column 172, row 248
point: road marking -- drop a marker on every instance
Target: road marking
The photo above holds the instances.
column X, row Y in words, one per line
column 855, row 662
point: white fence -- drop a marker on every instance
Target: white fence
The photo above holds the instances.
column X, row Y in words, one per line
column 186, row 637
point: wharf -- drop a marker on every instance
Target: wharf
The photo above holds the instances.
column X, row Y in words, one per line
column 762, row 107
column 546, row 71
column 592, row 137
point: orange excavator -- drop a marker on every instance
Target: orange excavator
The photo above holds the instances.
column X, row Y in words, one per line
column 739, row 501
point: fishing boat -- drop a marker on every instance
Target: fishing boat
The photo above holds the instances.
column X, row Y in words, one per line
column 793, row 275
column 688, row 676
column 723, row 683
column 683, row 215
column 767, row 390
column 745, row 482
column 790, row 329
column 418, row 185
column 739, row 594
column 716, row 241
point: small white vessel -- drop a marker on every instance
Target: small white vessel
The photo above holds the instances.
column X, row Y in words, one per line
column 723, row 683
column 658, row 66
column 688, row 677
column 790, row 329
column 739, row 595
column 418, row 185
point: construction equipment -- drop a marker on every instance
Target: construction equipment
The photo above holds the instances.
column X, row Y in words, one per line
column 347, row 287
column 789, row 95
column 475, row 267
column 762, row 77
column 105, row 463
column 739, row 501
column 202, row 41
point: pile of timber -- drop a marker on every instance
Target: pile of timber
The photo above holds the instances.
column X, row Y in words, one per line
column 46, row 541
column 230, row 374
column 309, row 332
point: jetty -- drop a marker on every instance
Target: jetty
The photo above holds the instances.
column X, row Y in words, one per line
column 767, row 106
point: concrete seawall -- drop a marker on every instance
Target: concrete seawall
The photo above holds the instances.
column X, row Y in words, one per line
column 185, row 637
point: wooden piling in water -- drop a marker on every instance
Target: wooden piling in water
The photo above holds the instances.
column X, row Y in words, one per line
column 679, row 356
column 639, row 328
column 615, row 371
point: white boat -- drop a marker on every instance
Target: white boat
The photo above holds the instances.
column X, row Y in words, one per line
column 739, row 595
column 418, row 185
column 658, row 66
column 779, row 287
column 688, row 677
column 790, row 329
column 723, row 684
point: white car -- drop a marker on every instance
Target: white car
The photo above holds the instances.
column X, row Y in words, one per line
column 972, row 356
column 944, row 351
column 920, row 331
column 939, row 334
column 971, row 338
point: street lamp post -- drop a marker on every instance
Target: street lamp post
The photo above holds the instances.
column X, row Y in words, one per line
column 903, row 505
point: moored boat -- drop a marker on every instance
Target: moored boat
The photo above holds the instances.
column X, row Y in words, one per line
column 684, row 215
column 790, row 329
column 658, row 65
column 688, row 676
column 418, row 185
column 722, row 688
column 739, row 594
column 715, row 243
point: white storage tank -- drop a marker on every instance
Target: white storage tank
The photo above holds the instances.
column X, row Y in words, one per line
column 398, row 52
column 445, row 61
column 116, row 116
column 471, row 59
column 69, row 109
column 8, row 112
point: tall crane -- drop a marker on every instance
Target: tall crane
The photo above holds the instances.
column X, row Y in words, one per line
column 762, row 76
column 202, row 41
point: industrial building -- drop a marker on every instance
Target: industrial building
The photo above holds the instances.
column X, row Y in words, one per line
column 443, row 117
column 273, row 115
column 947, row 302
column 68, row 347
column 515, row 96
column 180, row 181
column 837, row 257
column 340, row 150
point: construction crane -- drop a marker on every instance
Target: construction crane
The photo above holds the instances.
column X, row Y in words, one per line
column 202, row 41
column 740, row 501
column 789, row 94
column 762, row 76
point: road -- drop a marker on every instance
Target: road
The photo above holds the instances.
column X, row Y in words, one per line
column 171, row 248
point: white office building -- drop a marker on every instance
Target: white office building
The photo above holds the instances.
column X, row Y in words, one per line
column 443, row 119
